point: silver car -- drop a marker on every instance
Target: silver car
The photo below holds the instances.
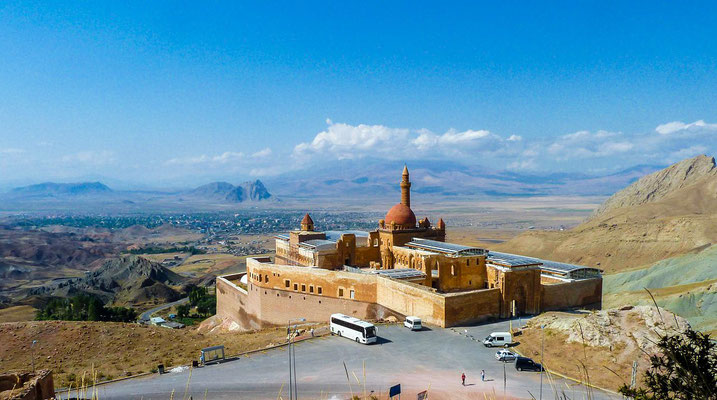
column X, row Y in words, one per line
column 505, row 355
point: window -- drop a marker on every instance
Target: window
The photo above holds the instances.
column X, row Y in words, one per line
column 296, row 286
column 303, row 287
column 351, row 294
column 266, row 278
column 453, row 270
column 470, row 282
column 375, row 243
column 341, row 292
column 287, row 283
column 311, row 289
column 468, row 262
column 318, row 290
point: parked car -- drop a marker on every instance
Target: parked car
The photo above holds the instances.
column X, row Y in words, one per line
column 497, row 339
column 526, row 364
column 413, row 323
column 505, row 355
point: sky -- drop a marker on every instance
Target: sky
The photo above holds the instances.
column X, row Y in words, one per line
column 174, row 93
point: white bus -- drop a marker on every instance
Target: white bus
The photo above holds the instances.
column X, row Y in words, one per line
column 352, row 328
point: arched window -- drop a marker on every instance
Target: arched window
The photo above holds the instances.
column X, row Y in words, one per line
column 453, row 270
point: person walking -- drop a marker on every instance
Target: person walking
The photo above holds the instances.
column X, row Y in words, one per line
column 463, row 379
column 482, row 375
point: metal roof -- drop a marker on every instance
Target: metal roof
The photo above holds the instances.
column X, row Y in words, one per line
column 511, row 260
column 319, row 244
column 282, row 236
column 546, row 265
column 443, row 247
column 336, row 235
column 400, row 273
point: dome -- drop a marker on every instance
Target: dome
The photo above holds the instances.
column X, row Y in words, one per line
column 401, row 214
column 307, row 219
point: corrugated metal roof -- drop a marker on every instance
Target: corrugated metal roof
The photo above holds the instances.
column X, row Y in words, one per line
column 319, row 244
column 282, row 236
column 400, row 273
column 443, row 247
column 511, row 260
column 514, row 260
column 336, row 235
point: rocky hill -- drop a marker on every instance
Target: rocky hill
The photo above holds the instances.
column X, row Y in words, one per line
column 602, row 344
column 665, row 214
column 660, row 184
column 226, row 192
column 62, row 189
column 123, row 280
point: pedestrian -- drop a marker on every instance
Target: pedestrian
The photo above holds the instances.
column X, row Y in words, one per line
column 482, row 375
column 463, row 379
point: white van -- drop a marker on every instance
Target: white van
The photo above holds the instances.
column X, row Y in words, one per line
column 496, row 339
column 413, row 323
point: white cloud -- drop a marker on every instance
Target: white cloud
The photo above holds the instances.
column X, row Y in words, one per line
column 90, row 157
column 585, row 144
column 677, row 126
column 262, row 153
column 515, row 138
column 344, row 141
column 11, row 150
column 687, row 152
column 228, row 157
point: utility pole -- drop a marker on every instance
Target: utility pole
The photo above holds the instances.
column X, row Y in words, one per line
column 504, row 380
column 293, row 389
column 542, row 367
column 32, row 352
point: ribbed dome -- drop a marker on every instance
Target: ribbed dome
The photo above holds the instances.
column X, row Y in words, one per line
column 401, row 215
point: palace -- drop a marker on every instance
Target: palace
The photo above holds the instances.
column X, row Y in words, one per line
column 404, row 267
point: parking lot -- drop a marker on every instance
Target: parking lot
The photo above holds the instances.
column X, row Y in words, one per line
column 433, row 359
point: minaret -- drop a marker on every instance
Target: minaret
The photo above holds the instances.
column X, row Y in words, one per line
column 307, row 224
column 405, row 188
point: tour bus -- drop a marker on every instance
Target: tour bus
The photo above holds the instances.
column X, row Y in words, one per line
column 352, row 328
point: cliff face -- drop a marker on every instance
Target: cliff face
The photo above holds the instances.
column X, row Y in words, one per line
column 226, row 192
column 660, row 184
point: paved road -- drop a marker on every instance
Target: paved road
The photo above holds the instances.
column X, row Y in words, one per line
column 145, row 316
column 434, row 357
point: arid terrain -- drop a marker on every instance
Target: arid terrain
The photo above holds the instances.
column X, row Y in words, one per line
column 73, row 348
column 598, row 347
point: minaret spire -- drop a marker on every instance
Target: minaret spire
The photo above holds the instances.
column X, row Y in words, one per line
column 405, row 188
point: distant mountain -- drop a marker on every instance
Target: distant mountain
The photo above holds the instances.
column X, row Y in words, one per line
column 226, row 192
column 62, row 189
column 375, row 178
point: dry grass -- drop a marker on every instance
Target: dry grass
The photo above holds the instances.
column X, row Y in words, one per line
column 17, row 314
column 115, row 349
column 205, row 263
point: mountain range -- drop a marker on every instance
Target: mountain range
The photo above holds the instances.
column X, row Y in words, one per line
column 84, row 193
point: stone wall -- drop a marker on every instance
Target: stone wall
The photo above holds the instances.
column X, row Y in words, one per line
column 27, row 385
column 411, row 299
column 583, row 293
column 473, row 306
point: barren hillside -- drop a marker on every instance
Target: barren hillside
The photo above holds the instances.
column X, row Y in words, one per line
column 603, row 343
column 664, row 214
column 70, row 349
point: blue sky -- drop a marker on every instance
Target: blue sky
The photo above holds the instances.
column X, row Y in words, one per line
column 168, row 92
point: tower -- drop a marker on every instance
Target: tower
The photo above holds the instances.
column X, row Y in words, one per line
column 307, row 224
column 405, row 188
